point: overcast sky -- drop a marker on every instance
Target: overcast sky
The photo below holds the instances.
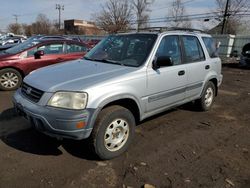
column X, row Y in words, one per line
column 27, row 10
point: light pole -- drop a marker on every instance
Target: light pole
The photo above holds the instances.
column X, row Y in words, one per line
column 59, row 7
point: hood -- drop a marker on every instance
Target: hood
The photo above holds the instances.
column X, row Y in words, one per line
column 5, row 57
column 74, row 75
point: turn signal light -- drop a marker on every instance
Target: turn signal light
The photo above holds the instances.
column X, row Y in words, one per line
column 80, row 125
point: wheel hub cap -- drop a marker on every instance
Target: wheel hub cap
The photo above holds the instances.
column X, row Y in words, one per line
column 116, row 135
column 209, row 96
column 9, row 80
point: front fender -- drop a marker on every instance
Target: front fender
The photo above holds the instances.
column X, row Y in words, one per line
column 112, row 94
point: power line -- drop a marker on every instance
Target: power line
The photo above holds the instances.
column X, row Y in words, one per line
column 182, row 18
column 183, row 3
column 226, row 15
column 16, row 17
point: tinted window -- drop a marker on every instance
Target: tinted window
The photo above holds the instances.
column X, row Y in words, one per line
column 31, row 52
column 210, row 45
column 193, row 49
column 169, row 46
column 52, row 48
column 21, row 47
column 73, row 48
column 128, row 50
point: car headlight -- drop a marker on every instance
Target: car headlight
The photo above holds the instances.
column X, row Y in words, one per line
column 69, row 100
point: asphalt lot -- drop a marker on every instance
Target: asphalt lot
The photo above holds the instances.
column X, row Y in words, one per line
column 179, row 148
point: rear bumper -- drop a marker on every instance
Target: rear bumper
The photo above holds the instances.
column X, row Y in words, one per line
column 59, row 123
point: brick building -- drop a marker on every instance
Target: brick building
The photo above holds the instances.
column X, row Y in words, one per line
column 81, row 27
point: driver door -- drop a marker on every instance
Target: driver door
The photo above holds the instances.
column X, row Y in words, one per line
column 167, row 85
column 53, row 53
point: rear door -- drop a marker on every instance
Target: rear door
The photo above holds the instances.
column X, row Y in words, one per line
column 166, row 85
column 196, row 65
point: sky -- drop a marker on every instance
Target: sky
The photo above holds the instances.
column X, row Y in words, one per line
column 27, row 10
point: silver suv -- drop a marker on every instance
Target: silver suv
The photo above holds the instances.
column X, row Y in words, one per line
column 123, row 80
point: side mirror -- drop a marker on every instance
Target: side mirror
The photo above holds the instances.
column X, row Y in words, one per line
column 38, row 54
column 162, row 61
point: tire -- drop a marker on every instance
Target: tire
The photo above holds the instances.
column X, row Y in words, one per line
column 10, row 79
column 207, row 99
column 113, row 132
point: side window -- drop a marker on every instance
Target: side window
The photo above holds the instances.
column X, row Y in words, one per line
column 31, row 52
column 210, row 45
column 74, row 48
column 169, row 46
column 55, row 48
column 193, row 49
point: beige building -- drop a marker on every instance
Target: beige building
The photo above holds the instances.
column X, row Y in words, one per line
column 81, row 27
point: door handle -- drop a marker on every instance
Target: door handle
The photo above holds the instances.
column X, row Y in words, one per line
column 182, row 72
column 207, row 67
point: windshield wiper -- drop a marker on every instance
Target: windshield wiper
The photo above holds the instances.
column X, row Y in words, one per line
column 104, row 60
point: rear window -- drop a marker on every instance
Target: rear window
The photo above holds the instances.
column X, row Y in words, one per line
column 193, row 49
column 211, row 46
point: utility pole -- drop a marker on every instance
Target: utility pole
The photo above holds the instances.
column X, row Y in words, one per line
column 59, row 7
column 16, row 17
column 225, row 17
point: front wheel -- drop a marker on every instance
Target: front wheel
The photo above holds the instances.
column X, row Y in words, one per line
column 10, row 79
column 113, row 132
column 207, row 99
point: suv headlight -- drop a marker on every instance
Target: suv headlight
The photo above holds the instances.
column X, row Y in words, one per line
column 69, row 100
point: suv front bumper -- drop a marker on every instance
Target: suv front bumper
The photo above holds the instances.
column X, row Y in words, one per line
column 56, row 122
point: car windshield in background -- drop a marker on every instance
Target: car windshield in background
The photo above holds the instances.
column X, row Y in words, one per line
column 124, row 49
column 22, row 46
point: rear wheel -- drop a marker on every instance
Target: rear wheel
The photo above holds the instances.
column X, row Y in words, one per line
column 207, row 99
column 10, row 79
column 113, row 132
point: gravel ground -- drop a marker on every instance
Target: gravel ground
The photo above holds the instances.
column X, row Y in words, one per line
column 178, row 148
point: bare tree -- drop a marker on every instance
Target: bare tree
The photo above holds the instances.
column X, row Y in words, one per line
column 177, row 15
column 42, row 25
column 27, row 29
column 15, row 28
column 236, row 10
column 141, row 9
column 115, row 16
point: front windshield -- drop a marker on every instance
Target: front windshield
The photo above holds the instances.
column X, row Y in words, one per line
column 127, row 49
column 20, row 47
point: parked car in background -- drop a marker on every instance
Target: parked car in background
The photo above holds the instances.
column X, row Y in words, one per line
column 93, row 42
column 7, row 46
column 245, row 56
column 10, row 40
column 20, row 60
column 66, row 37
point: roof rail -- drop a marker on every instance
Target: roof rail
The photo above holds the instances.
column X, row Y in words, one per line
column 162, row 29
column 186, row 29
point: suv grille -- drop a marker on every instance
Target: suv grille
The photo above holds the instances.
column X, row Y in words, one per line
column 31, row 93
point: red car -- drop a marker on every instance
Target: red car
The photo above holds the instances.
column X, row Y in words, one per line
column 20, row 60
